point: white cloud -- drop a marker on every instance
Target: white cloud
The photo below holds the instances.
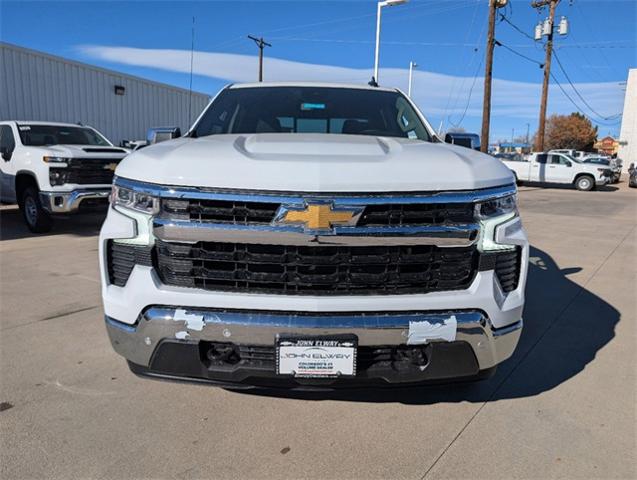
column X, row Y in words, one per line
column 511, row 99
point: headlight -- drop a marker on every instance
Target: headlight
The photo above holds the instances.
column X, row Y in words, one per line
column 497, row 207
column 139, row 201
column 58, row 176
column 58, row 160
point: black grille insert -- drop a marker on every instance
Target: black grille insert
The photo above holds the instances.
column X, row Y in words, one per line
column 507, row 269
column 220, row 211
column 91, row 171
column 121, row 258
column 400, row 215
column 321, row 270
column 506, row 265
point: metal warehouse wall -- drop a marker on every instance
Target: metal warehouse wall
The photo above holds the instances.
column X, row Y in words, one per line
column 38, row 86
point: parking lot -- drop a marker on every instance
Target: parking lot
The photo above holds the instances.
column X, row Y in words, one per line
column 562, row 407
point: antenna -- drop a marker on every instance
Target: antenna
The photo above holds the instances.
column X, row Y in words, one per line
column 192, row 52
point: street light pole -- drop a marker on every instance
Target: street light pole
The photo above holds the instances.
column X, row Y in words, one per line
column 379, row 6
column 412, row 65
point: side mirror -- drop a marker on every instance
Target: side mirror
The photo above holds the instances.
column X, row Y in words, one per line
column 569, row 164
column 161, row 134
column 6, row 153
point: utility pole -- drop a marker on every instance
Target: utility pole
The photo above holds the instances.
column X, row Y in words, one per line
column 488, row 74
column 261, row 44
column 548, row 31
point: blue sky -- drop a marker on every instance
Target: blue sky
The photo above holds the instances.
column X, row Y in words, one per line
column 333, row 41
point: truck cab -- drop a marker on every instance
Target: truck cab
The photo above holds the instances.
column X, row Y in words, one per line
column 559, row 168
column 52, row 169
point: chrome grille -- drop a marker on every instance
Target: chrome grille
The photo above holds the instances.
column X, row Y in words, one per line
column 263, row 213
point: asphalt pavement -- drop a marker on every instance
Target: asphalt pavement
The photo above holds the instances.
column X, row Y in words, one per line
column 564, row 406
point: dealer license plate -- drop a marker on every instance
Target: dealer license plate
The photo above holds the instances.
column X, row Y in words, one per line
column 316, row 357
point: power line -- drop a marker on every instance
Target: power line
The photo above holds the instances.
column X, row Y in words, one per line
column 466, row 107
column 578, row 107
column 578, row 93
column 500, row 44
column 505, row 19
column 462, row 63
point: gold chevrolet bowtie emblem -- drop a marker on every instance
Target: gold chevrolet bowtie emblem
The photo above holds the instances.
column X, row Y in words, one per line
column 319, row 216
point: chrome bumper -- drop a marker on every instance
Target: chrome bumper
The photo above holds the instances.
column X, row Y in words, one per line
column 69, row 202
column 138, row 342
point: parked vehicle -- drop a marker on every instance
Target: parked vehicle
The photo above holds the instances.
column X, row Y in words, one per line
column 614, row 166
column 632, row 175
column 559, row 168
column 312, row 235
column 55, row 168
column 576, row 154
column 512, row 157
column 468, row 140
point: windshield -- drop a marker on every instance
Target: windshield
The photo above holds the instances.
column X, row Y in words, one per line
column 44, row 135
column 312, row 110
column 576, row 160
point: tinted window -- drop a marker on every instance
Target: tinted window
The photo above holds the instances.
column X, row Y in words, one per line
column 541, row 158
column 599, row 161
column 41, row 135
column 7, row 141
column 311, row 110
column 558, row 160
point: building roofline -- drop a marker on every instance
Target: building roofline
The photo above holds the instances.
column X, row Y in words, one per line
column 88, row 66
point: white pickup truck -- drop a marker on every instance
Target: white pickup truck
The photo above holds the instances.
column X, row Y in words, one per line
column 307, row 235
column 559, row 168
column 53, row 169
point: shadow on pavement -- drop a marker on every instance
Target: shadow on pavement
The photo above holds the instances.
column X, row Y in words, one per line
column 12, row 226
column 565, row 326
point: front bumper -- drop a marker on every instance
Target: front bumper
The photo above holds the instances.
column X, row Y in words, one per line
column 172, row 343
column 74, row 201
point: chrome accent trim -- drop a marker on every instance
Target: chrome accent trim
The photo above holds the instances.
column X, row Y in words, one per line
column 137, row 342
column 71, row 200
column 463, row 235
column 342, row 199
column 284, row 210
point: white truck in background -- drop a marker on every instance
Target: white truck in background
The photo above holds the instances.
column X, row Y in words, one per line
column 51, row 169
column 559, row 168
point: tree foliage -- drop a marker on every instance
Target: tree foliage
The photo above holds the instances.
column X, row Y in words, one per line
column 570, row 131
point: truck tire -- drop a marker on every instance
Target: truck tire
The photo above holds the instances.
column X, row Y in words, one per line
column 37, row 219
column 584, row 183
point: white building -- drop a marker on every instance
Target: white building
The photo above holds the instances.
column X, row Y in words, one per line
column 42, row 87
column 628, row 135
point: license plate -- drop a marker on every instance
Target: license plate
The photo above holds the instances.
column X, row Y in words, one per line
column 316, row 357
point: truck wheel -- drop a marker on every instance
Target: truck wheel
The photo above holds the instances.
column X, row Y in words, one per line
column 36, row 218
column 584, row 183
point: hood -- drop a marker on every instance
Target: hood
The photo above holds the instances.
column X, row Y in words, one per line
column 75, row 151
column 314, row 163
